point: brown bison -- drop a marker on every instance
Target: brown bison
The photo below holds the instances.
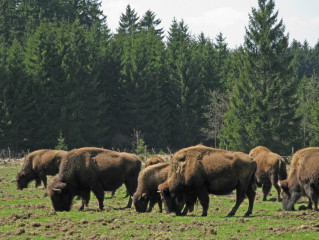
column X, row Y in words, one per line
column 37, row 165
column 148, row 181
column 270, row 168
column 153, row 160
column 199, row 170
column 96, row 169
column 302, row 180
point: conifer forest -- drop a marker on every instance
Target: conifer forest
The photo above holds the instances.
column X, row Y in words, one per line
column 63, row 73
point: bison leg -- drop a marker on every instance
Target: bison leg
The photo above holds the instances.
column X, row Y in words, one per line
column 129, row 203
column 278, row 191
column 85, row 195
column 313, row 198
column 99, row 193
column 203, row 200
column 251, row 198
column 160, row 206
column 37, row 182
column 274, row 181
column 266, row 189
column 44, row 180
column 151, row 205
column 240, row 196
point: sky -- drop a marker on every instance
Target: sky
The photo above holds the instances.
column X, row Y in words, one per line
column 230, row 17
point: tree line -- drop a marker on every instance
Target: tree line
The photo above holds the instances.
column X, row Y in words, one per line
column 64, row 74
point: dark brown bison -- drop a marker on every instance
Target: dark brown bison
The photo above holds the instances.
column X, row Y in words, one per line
column 37, row 165
column 148, row 181
column 153, row 160
column 199, row 170
column 96, row 169
column 270, row 168
column 302, row 180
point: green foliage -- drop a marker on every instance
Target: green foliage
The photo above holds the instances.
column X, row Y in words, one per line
column 61, row 143
column 263, row 106
column 140, row 149
column 61, row 69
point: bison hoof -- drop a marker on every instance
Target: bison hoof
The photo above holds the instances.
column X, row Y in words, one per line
column 230, row 214
column 247, row 214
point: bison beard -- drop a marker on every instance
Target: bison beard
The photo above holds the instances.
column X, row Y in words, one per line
column 99, row 170
column 198, row 171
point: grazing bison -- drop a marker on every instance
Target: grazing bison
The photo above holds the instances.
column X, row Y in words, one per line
column 37, row 165
column 153, row 160
column 199, row 170
column 270, row 168
column 148, row 181
column 96, row 169
column 303, row 179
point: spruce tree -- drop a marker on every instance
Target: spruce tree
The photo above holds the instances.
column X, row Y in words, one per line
column 263, row 105
column 185, row 84
column 148, row 21
column 128, row 21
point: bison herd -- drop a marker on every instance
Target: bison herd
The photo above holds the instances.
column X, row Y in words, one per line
column 192, row 174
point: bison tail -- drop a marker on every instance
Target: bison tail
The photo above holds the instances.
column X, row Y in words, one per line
column 282, row 174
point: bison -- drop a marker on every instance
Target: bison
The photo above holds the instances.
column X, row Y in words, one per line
column 96, row 169
column 153, row 160
column 146, row 191
column 37, row 165
column 197, row 171
column 270, row 168
column 302, row 180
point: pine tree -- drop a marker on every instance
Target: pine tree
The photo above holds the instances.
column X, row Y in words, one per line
column 185, row 84
column 141, row 82
column 263, row 104
column 128, row 21
column 148, row 21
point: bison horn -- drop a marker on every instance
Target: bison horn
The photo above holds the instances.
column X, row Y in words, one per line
column 57, row 190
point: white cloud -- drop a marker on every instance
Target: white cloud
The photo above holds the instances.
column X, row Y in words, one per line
column 221, row 18
column 112, row 10
column 315, row 21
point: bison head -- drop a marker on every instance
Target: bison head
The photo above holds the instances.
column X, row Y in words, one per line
column 140, row 202
column 61, row 197
column 288, row 198
column 172, row 202
column 22, row 181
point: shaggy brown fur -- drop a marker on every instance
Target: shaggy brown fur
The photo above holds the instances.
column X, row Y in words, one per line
column 148, row 181
column 96, row 169
column 37, row 165
column 270, row 168
column 153, row 160
column 199, row 170
column 303, row 179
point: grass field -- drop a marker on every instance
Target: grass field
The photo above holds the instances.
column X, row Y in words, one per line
column 28, row 214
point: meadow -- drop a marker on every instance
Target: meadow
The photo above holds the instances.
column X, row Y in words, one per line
column 28, row 214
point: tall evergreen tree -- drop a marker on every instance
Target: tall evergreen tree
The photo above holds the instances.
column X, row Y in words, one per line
column 148, row 21
column 222, row 62
column 17, row 102
column 128, row 21
column 185, row 85
column 141, row 83
column 263, row 105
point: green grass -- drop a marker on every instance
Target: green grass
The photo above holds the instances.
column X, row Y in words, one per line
column 28, row 214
